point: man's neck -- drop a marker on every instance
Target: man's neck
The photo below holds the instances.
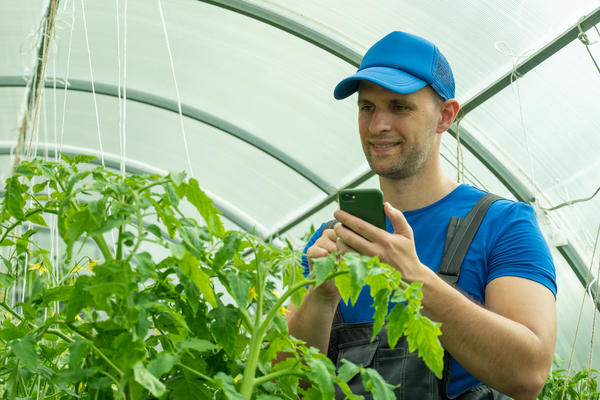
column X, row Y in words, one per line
column 417, row 191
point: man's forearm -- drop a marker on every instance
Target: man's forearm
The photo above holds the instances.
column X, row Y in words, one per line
column 312, row 321
column 499, row 351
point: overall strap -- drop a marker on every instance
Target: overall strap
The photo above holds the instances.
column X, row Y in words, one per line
column 459, row 236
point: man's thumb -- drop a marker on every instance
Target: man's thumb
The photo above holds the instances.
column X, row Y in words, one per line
column 401, row 226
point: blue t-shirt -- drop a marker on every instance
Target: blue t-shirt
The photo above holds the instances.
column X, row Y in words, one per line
column 508, row 243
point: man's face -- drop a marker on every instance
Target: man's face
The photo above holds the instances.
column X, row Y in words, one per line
column 397, row 131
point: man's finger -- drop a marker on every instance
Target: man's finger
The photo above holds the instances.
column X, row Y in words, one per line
column 401, row 226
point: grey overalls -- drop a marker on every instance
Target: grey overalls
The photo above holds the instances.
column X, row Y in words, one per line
column 397, row 365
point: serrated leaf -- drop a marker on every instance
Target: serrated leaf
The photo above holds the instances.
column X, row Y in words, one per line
column 397, row 321
column 66, row 158
column 225, row 326
column 380, row 303
column 155, row 230
column 162, row 364
column 82, row 158
column 147, row 380
column 190, row 266
column 24, row 350
column 422, row 334
column 13, row 198
column 231, row 244
column 205, row 207
column 77, row 350
column 37, row 219
column 358, row 270
column 6, row 280
column 228, row 386
column 321, row 372
column 378, row 386
column 145, row 264
column 322, row 267
column 177, row 249
column 347, row 371
column 199, row 345
column 240, row 286
column 342, row 282
column 40, row 186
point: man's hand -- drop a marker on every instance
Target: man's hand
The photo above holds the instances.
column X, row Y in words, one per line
column 324, row 246
column 396, row 249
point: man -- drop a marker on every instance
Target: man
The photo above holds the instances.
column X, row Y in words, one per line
column 499, row 322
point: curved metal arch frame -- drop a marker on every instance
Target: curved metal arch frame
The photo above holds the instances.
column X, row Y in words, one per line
column 187, row 111
column 519, row 189
column 113, row 161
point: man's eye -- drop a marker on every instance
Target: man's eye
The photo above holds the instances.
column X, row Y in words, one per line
column 365, row 107
column 400, row 107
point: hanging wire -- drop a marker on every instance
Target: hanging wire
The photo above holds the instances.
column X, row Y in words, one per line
column 583, row 38
column 460, row 159
column 64, row 112
column 589, row 274
column 164, row 25
column 124, row 126
column 503, row 48
column 87, row 44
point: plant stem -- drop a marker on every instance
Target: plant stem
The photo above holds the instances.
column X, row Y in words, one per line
column 199, row 374
column 259, row 381
column 103, row 246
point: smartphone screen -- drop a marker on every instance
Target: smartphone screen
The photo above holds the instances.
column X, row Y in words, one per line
column 366, row 204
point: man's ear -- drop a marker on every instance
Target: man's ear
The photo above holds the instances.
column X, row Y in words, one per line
column 448, row 112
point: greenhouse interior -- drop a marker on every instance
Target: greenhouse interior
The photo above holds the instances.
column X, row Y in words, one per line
column 165, row 163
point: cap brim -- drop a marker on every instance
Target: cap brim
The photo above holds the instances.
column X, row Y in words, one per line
column 390, row 78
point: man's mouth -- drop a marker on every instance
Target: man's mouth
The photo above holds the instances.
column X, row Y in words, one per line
column 383, row 147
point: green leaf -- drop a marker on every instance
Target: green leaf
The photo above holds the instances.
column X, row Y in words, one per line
column 240, row 286
column 155, row 230
column 177, row 249
column 37, row 219
column 147, row 380
column 228, row 386
column 377, row 385
column 422, row 334
column 162, row 364
column 78, row 298
column 59, row 293
column 397, row 321
column 6, row 280
column 198, row 345
column 344, row 286
column 190, row 266
column 170, row 190
column 204, row 205
column 40, row 186
column 358, row 273
column 82, row 158
column 77, row 350
column 321, row 372
column 74, row 375
column 13, row 198
column 24, row 349
column 66, row 158
column 127, row 350
column 145, row 264
column 347, row 371
column 225, row 326
column 322, row 267
column 10, row 331
column 381, row 310
column 231, row 244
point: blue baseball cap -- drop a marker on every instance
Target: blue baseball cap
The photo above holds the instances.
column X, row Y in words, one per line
column 403, row 63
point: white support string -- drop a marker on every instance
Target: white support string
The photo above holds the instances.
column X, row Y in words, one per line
column 164, row 25
column 124, row 125
column 87, row 43
column 64, row 111
column 119, row 85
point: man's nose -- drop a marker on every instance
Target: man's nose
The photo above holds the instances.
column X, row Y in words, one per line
column 380, row 122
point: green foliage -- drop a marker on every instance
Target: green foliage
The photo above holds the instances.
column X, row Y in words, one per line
column 580, row 385
column 200, row 321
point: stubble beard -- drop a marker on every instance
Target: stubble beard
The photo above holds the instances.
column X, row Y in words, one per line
column 404, row 166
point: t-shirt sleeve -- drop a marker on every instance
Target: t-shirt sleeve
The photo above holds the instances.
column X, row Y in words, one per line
column 310, row 242
column 521, row 250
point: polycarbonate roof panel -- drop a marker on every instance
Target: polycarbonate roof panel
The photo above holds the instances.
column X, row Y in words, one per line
column 466, row 31
column 545, row 125
column 228, row 65
column 19, row 26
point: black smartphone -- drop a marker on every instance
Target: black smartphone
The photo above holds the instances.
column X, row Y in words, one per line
column 366, row 204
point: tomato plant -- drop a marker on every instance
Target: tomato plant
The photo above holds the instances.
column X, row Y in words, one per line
column 175, row 307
